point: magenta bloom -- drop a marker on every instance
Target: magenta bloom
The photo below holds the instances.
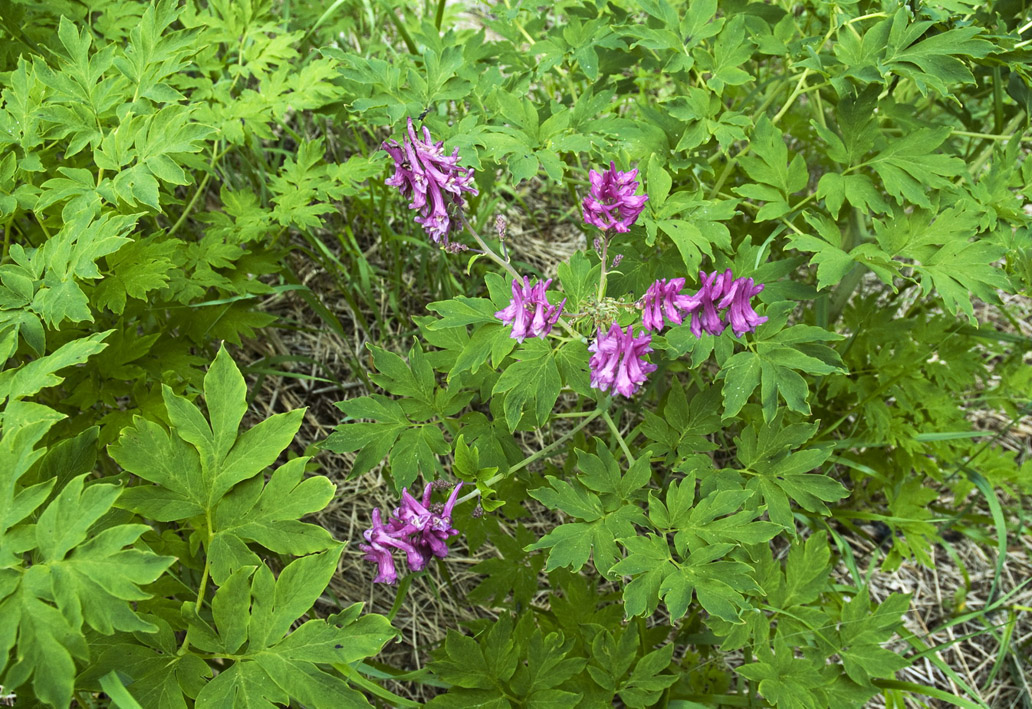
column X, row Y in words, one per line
column 664, row 298
column 529, row 311
column 723, row 291
column 612, row 203
column 433, row 182
column 740, row 313
column 618, row 361
column 415, row 529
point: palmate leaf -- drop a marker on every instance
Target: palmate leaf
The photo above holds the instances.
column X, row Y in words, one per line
column 255, row 610
column 909, row 167
column 413, row 447
column 776, row 178
column 775, row 362
column 778, row 467
column 931, row 59
column 152, row 668
column 268, row 515
column 786, row 681
column 600, row 496
column 74, row 580
column 613, row 658
column 717, row 582
column 531, row 383
column 506, row 666
column 192, row 466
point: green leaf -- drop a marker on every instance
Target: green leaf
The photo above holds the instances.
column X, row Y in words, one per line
column 277, row 666
column 82, row 574
column 39, row 374
column 607, row 517
column 268, row 515
column 784, row 680
column 532, row 382
column 910, row 169
column 774, row 366
column 373, row 441
column 480, row 663
column 461, row 310
column 779, row 470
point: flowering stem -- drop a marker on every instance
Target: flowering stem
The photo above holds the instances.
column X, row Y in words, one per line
column 536, row 456
column 602, row 276
column 488, row 251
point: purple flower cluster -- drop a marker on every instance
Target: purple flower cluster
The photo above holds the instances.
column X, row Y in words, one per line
column 415, row 528
column 529, row 311
column 612, row 203
column 433, row 181
column 618, row 362
column 718, row 291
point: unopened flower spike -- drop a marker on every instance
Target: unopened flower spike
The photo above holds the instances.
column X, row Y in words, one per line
column 618, row 362
column 432, row 181
column 529, row 312
column 415, row 528
column 611, row 202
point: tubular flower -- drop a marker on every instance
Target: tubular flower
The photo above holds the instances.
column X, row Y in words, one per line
column 618, row 361
column 664, row 298
column 415, row 529
column 432, row 181
column 740, row 313
column 723, row 291
column 611, row 203
column 529, row 311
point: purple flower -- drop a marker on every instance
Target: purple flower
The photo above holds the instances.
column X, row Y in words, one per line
column 723, row 291
column 618, row 361
column 664, row 298
column 529, row 311
column 432, row 181
column 741, row 314
column 415, row 529
column 612, row 203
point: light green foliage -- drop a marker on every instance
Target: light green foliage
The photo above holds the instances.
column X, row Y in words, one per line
column 73, row 568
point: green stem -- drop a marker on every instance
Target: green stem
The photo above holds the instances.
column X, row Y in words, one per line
column 619, row 437
column 207, row 563
column 488, row 251
column 537, row 455
column 493, row 255
column 215, row 155
column 6, row 240
column 439, row 17
column 405, row 36
column 854, row 236
column 602, row 275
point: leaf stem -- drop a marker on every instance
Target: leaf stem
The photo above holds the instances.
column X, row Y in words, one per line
column 439, row 17
column 207, row 563
column 537, row 455
column 215, row 155
column 619, row 437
